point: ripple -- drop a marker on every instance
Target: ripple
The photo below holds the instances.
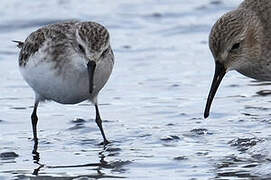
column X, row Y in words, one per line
column 112, row 149
column 250, row 115
column 200, row 131
column 8, row 155
column 216, row 2
column 244, row 144
column 257, row 108
column 259, row 83
column 88, row 141
column 235, row 167
column 236, row 174
column 180, row 158
column 118, row 165
column 145, row 135
column 78, row 121
column 18, row 108
column 127, row 46
column 264, row 93
column 155, row 15
column 170, row 138
column 202, row 153
column 77, row 126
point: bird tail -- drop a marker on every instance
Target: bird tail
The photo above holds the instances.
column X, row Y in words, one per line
column 19, row 43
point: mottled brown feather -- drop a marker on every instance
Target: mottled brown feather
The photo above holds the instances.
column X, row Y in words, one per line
column 60, row 40
column 94, row 33
column 249, row 24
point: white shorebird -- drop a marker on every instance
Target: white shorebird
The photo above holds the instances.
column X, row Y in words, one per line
column 68, row 63
column 241, row 40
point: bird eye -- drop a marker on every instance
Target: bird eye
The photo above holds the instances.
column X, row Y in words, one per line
column 81, row 48
column 235, row 46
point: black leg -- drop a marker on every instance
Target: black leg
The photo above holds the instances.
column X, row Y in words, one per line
column 34, row 119
column 99, row 123
column 36, row 154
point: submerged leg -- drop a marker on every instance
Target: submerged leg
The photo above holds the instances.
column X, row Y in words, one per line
column 34, row 119
column 99, row 123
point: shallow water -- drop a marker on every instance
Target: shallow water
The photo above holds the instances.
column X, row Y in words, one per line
column 152, row 106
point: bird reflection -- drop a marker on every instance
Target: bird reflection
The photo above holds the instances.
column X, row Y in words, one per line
column 36, row 154
column 103, row 164
column 36, row 158
column 36, row 171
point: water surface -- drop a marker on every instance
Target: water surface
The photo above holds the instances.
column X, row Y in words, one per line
column 152, row 106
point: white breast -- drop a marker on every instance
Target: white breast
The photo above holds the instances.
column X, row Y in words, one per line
column 67, row 84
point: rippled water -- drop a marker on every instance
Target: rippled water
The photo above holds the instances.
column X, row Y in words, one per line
column 152, row 106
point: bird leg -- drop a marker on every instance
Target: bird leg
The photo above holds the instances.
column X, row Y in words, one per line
column 99, row 123
column 34, row 119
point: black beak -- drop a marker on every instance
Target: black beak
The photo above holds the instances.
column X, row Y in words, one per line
column 220, row 72
column 91, row 69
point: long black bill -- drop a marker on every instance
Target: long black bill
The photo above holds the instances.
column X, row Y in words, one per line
column 91, row 69
column 220, row 72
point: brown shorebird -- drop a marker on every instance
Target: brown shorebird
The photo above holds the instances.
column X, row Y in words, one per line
column 241, row 40
column 67, row 63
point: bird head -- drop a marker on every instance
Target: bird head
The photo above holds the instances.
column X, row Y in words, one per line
column 235, row 45
column 93, row 43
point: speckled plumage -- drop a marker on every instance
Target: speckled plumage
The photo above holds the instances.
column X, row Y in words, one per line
column 98, row 36
column 241, row 40
column 67, row 62
column 62, row 37
column 250, row 25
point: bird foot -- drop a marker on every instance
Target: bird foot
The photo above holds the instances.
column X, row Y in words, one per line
column 105, row 142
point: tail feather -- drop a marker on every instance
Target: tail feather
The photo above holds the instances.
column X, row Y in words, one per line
column 19, row 43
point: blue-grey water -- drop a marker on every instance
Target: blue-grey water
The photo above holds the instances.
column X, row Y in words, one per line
column 152, row 105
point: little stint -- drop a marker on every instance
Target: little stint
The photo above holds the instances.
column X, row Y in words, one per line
column 241, row 40
column 68, row 63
